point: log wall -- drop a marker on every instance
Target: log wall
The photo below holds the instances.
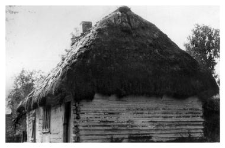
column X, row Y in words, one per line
column 136, row 119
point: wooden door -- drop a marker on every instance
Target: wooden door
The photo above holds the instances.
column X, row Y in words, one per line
column 66, row 124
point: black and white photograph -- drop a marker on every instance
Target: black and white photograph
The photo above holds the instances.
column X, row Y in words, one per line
column 112, row 74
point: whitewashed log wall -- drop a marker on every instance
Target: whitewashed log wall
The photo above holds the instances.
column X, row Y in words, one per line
column 29, row 119
column 56, row 125
column 133, row 119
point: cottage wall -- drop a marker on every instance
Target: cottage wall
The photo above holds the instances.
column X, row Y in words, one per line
column 56, row 125
column 29, row 118
column 109, row 119
column 57, row 117
column 39, row 115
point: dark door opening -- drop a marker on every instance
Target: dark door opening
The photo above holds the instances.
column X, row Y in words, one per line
column 66, row 124
column 33, row 134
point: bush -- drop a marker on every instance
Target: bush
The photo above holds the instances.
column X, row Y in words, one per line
column 211, row 115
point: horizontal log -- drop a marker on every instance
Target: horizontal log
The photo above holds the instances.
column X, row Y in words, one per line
column 85, row 116
column 164, row 123
column 133, row 105
column 138, row 104
column 154, row 139
column 136, row 113
column 139, row 128
column 139, row 120
column 141, row 137
column 107, row 112
column 85, row 122
column 123, row 109
column 138, row 131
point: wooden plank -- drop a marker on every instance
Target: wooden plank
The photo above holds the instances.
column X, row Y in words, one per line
column 127, row 122
column 145, row 105
column 138, row 109
column 146, row 101
column 113, row 127
column 136, row 131
column 136, row 113
column 121, row 104
column 133, row 113
column 142, row 124
column 87, row 116
column 141, row 119
column 151, row 136
column 154, row 139
column 130, row 118
column 94, row 140
column 108, row 112
column 138, row 104
column 138, row 120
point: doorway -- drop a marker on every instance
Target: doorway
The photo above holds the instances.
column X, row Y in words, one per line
column 66, row 123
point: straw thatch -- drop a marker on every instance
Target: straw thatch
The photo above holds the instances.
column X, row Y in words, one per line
column 123, row 54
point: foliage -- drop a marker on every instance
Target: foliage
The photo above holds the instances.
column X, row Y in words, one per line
column 23, row 84
column 204, row 46
column 211, row 114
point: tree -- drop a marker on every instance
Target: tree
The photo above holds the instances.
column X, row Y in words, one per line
column 204, row 46
column 23, row 84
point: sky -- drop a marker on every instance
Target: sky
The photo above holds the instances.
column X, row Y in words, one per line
column 36, row 36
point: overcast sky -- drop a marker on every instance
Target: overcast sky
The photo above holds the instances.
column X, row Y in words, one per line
column 36, row 36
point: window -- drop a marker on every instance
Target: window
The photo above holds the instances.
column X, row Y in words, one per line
column 46, row 119
column 33, row 131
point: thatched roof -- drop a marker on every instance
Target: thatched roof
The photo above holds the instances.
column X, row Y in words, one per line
column 123, row 54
